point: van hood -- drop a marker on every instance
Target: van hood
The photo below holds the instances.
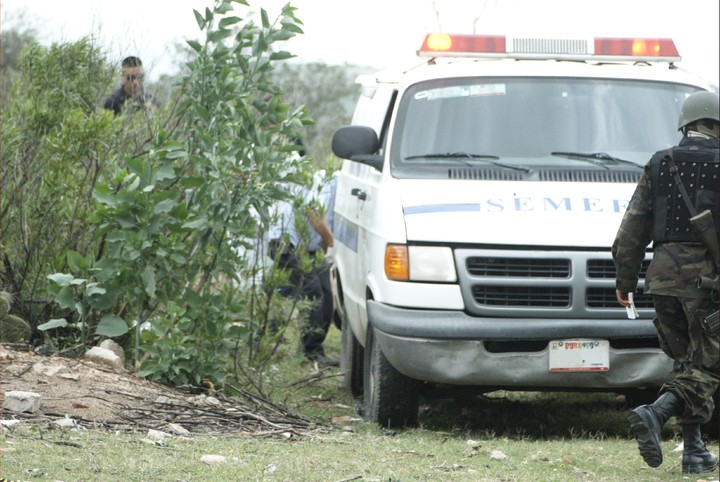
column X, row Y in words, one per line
column 513, row 213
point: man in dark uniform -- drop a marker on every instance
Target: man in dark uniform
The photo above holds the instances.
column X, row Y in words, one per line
column 657, row 213
column 132, row 88
column 303, row 228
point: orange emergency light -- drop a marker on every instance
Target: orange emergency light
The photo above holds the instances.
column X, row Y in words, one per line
column 467, row 44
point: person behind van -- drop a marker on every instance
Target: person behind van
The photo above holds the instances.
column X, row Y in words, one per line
column 657, row 213
column 132, row 88
column 287, row 238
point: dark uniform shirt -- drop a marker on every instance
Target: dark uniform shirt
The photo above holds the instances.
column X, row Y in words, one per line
column 117, row 99
column 676, row 266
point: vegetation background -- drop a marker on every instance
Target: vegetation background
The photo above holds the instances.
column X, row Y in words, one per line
column 143, row 228
column 147, row 229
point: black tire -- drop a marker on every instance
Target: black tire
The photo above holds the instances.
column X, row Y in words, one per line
column 391, row 398
column 351, row 360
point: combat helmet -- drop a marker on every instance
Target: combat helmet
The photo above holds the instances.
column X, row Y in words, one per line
column 700, row 105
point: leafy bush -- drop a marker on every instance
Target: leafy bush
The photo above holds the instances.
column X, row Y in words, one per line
column 55, row 148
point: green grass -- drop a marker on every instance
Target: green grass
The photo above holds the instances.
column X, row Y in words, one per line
column 543, row 437
column 326, row 455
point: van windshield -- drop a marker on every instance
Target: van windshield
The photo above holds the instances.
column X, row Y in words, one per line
column 534, row 123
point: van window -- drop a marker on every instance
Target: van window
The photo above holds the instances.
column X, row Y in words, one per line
column 524, row 120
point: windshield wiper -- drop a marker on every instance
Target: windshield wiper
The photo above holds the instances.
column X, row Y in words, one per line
column 451, row 155
column 460, row 156
column 597, row 158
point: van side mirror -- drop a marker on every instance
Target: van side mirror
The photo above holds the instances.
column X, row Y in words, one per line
column 359, row 144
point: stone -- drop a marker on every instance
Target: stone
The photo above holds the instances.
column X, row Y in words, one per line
column 106, row 357
column 157, row 434
column 177, row 429
column 19, row 402
column 66, row 423
column 113, row 347
column 497, row 455
column 49, row 370
column 213, row 459
column 9, row 424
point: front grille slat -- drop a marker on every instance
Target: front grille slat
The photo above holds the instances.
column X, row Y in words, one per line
column 511, row 267
column 514, row 296
column 605, row 298
column 605, row 268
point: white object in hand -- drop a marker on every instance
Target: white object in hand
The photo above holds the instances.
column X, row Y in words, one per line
column 630, row 308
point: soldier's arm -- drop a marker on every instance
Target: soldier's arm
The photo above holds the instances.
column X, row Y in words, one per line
column 633, row 237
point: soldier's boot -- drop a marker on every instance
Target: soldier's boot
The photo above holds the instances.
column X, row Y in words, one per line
column 696, row 458
column 646, row 422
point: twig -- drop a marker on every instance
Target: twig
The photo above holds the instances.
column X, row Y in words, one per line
column 68, row 444
column 258, row 399
column 317, row 376
column 27, row 369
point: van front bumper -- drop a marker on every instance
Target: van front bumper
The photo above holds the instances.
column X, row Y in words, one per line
column 449, row 347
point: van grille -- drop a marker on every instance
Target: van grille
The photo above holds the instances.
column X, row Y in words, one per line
column 542, row 284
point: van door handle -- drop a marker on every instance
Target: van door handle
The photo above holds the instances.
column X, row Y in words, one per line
column 361, row 195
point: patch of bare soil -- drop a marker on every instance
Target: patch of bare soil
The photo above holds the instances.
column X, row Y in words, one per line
column 95, row 396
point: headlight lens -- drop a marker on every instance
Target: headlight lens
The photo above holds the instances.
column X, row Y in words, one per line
column 419, row 263
column 431, row 263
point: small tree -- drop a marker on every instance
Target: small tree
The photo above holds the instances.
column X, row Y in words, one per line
column 176, row 218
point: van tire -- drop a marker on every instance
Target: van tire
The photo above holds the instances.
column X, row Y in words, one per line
column 711, row 429
column 351, row 361
column 391, row 398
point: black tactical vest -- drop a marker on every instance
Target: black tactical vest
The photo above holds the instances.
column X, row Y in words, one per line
column 699, row 169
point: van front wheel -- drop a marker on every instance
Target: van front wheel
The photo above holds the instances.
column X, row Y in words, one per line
column 391, row 398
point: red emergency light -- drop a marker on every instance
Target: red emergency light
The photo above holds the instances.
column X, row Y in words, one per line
column 636, row 47
column 628, row 49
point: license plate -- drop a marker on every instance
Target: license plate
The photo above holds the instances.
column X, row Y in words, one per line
column 579, row 356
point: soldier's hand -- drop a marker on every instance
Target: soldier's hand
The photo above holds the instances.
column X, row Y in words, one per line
column 622, row 298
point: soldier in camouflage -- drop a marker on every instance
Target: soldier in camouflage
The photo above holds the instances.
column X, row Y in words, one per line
column 657, row 213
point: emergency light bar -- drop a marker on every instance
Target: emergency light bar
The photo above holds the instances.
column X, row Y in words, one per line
column 629, row 49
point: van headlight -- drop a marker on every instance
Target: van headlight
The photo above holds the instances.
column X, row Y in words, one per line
column 419, row 263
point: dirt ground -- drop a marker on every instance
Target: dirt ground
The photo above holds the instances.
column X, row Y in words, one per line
column 96, row 396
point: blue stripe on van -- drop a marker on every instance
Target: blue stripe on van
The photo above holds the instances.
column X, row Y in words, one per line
column 441, row 208
column 345, row 232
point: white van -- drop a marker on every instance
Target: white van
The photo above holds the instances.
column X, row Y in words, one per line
column 479, row 196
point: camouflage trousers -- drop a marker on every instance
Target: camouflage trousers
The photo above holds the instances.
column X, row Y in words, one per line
column 695, row 350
